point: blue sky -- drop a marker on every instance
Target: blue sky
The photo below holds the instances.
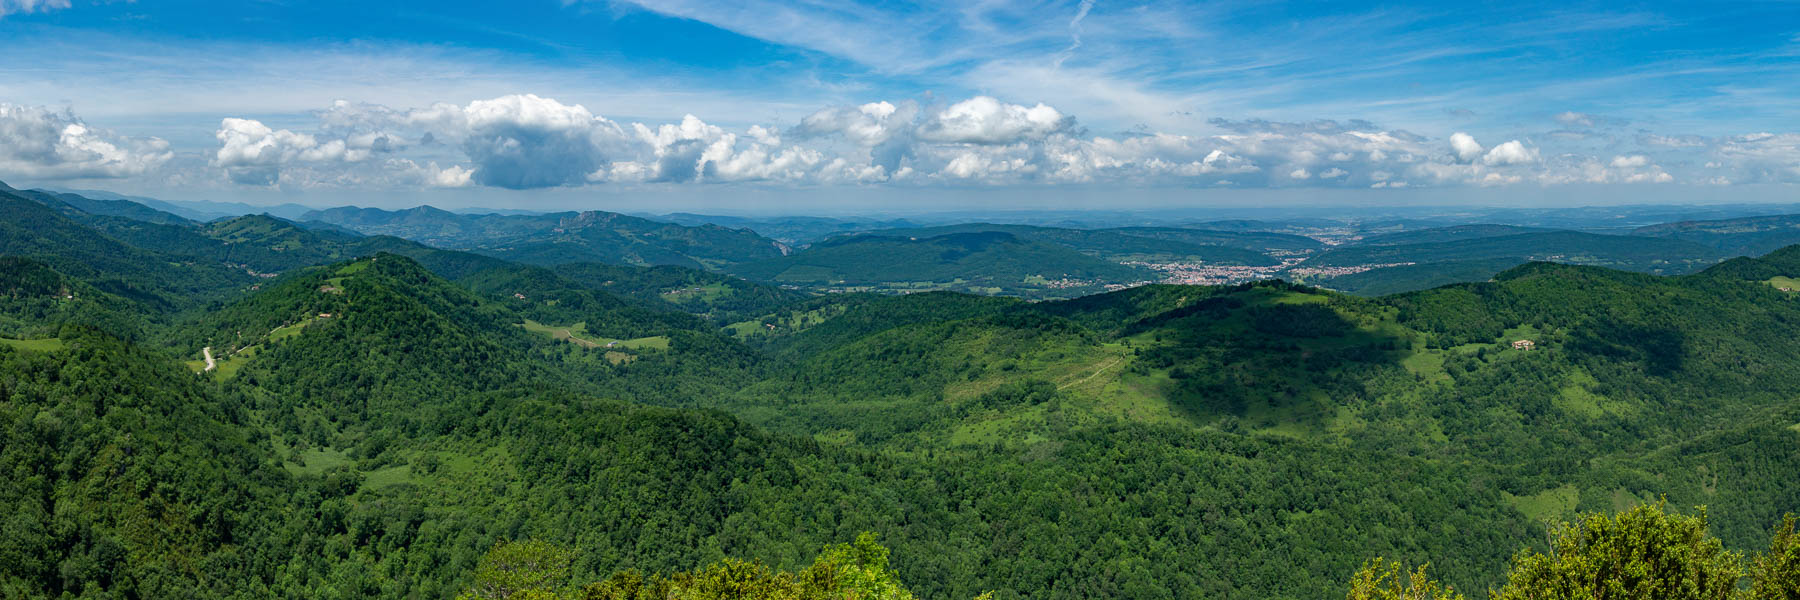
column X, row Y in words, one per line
column 691, row 103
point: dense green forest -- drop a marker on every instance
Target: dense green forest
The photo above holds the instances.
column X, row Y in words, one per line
column 395, row 420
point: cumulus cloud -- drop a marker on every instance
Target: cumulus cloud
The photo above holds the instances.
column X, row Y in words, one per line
column 253, row 153
column 38, row 143
column 1510, row 153
column 524, row 141
column 868, row 125
column 430, row 174
column 1465, row 146
column 528, row 141
column 984, row 120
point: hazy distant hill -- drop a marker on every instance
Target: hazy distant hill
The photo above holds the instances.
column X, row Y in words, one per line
column 77, row 206
column 1633, row 253
column 1445, row 234
column 200, row 210
column 1283, row 225
column 1116, row 245
column 557, row 238
column 992, row 260
column 790, row 230
column 1258, row 241
column 1750, row 236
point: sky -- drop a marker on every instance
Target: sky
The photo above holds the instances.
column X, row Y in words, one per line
column 808, row 106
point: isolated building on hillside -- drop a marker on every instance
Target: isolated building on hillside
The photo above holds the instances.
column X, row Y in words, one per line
column 1523, row 345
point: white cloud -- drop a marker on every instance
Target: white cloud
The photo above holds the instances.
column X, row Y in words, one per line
column 38, row 143
column 11, row 7
column 429, row 175
column 984, row 120
column 1510, row 153
column 1465, row 146
column 528, row 141
column 253, row 154
column 867, row 125
column 524, row 141
column 1762, row 157
column 1575, row 119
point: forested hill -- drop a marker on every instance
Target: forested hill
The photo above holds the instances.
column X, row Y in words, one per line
column 389, row 426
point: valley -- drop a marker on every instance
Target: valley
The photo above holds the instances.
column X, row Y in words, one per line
column 379, row 422
column 867, row 300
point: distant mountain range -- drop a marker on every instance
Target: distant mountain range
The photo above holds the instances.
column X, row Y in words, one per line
column 1631, row 253
column 555, row 238
column 1748, row 236
column 797, row 231
column 983, row 261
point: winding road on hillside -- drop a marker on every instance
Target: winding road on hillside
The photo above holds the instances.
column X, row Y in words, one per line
column 1096, row 373
column 210, row 364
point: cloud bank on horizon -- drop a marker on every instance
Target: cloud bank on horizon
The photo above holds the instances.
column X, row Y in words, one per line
column 1141, row 95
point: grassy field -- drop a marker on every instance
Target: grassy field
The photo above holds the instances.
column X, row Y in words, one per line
column 282, row 333
column 1785, row 282
column 575, row 334
column 354, row 268
column 227, row 366
column 578, row 334
column 697, row 295
column 43, row 345
column 314, row 461
column 1551, row 504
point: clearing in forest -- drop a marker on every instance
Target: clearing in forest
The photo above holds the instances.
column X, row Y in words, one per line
column 578, row 334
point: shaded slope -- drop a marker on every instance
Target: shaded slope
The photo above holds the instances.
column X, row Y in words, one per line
column 31, row 229
column 1407, row 278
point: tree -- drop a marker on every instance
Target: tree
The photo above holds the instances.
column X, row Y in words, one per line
column 1644, row 553
column 1385, row 580
column 856, row 571
column 526, row 570
column 1776, row 575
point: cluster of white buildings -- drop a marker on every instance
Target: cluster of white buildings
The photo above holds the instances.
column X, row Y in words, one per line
column 1193, row 273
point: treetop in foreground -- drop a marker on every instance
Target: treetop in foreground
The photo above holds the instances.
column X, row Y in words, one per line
column 1644, row 553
